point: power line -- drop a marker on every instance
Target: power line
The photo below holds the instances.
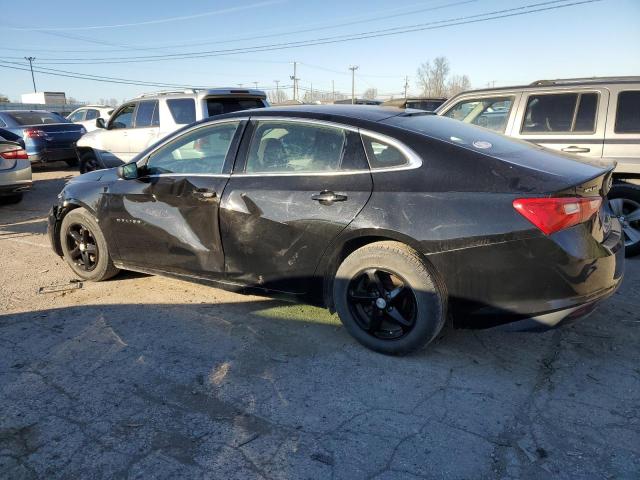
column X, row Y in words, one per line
column 469, row 19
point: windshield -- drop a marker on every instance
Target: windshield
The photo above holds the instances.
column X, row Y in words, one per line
column 218, row 106
column 37, row 118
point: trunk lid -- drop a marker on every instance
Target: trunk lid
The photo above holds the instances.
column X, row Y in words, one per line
column 59, row 135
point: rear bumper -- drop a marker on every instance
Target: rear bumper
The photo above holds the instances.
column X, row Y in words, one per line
column 535, row 283
column 17, row 179
column 52, row 154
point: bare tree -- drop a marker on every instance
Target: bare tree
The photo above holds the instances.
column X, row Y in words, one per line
column 278, row 96
column 457, row 84
column 370, row 93
column 434, row 79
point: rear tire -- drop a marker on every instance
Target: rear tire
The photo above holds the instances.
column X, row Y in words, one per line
column 72, row 162
column 624, row 201
column 11, row 199
column 389, row 299
column 89, row 162
column 84, row 247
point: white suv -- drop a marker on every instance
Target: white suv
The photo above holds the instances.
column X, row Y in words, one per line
column 139, row 123
column 87, row 116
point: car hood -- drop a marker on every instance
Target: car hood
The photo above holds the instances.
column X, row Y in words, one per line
column 107, row 175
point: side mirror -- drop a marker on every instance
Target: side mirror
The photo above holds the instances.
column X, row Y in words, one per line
column 100, row 123
column 128, row 171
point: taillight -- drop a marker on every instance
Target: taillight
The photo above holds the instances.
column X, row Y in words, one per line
column 34, row 133
column 17, row 154
column 553, row 214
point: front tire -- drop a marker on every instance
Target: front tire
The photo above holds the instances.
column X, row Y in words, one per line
column 89, row 162
column 389, row 299
column 84, row 247
column 624, row 201
column 11, row 199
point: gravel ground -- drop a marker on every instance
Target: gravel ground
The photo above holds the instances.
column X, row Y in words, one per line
column 146, row 377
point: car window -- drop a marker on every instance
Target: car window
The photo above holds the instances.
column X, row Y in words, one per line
column 561, row 112
column 218, row 106
column 37, row 118
column 92, row 114
column 77, row 116
column 628, row 112
column 145, row 115
column 200, row 151
column 123, row 118
column 491, row 113
column 2, row 124
column 183, row 110
column 280, row 146
column 381, row 154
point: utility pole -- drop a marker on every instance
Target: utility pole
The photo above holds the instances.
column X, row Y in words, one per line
column 295, row 81
column 311, row 92
column 353, row 69
column 333, row 91
column 256, row 84
column 277, row 90
column 33, row 79
column 406, row 86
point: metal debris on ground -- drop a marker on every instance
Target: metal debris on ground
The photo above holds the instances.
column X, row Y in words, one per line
column 72, row 285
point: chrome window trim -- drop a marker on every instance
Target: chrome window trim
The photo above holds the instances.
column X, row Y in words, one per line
column 413, row 160
column 206, row 175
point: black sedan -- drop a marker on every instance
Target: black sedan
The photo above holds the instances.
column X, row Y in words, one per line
column 393, row 218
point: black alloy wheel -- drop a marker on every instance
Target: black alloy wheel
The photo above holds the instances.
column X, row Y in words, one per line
column 82, row 247
column 382, row 303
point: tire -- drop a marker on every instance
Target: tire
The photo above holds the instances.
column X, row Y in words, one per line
column 421, row 303
column 624, row 201
column 73, row 232
column 89, row 162
column 72, row 162
column 11, row 199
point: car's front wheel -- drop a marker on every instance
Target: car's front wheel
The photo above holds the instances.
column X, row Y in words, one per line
column 388, row 298
column 624, row 201
column 89, row 162
column 84, row 246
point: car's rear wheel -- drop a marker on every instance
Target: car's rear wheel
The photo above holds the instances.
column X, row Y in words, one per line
column 89, row 162
column 84, row 246
column 388, row 298
column 624, row 201
column 10, row 199
column 72, row 162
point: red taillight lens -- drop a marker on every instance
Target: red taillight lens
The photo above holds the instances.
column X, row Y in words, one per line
column 17, row 154
column 553, row 214
column 34, row 133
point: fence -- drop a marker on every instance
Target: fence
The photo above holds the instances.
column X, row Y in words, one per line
column 62, row 109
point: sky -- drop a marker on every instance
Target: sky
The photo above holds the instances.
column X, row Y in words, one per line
column 589, row 39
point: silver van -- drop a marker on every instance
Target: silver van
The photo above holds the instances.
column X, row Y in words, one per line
column 594, row 117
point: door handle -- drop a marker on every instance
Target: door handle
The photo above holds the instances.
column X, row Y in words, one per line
column 204, row 194
column 574, row 149
column 328, row 197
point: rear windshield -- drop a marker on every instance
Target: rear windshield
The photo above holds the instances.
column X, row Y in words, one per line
column 218, row 106
column 37, row 118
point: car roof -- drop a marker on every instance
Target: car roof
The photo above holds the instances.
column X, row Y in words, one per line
column 370, row 113
column 204, row 92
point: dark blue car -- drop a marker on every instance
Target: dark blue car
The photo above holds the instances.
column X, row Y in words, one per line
column 46, row 136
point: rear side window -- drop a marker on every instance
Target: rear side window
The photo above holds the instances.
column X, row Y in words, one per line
column 491, row 113
column 628, row 112
column 280, row 146
column 92, row 114
column 561, row 113
column 382, row 154
column 218, row 106
column 37, row 118
column 146, row 116
column 183, row 110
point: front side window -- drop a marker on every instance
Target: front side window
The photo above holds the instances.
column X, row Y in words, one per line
column 146, row 114
column 183, row 110
column 628, row 112
column 77, row 116
column 491, row 113
column 281, row 146
column 124, row 117
column 200, row 151
column 382, row 154
column 561, row 113
column 92, row 114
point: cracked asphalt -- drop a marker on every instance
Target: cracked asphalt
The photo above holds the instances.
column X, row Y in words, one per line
column 147, row 377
